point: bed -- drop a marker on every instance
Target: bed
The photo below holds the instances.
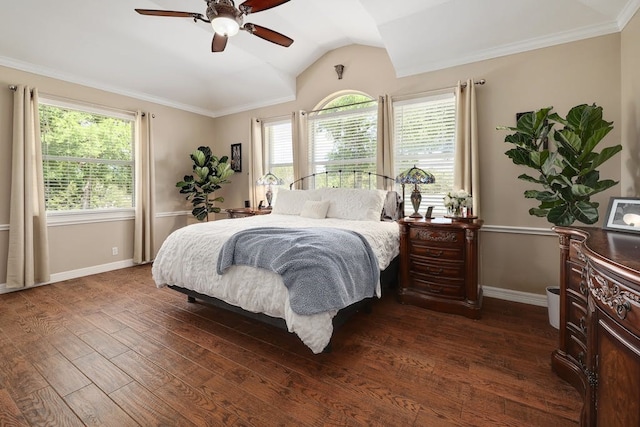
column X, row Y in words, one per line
column 188, row 259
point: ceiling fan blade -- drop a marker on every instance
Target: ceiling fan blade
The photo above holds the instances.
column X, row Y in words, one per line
column 219, row 43
column 253, row 6
column 166, row 13
column 267, row 34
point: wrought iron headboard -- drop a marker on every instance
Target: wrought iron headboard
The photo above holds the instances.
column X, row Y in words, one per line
column 358, row 177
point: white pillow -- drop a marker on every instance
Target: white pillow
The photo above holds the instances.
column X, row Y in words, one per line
column 315, row 209
column 291, row 202
column 355, row 204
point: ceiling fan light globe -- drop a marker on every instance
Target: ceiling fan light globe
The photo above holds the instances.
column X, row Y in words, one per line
column 225, row 26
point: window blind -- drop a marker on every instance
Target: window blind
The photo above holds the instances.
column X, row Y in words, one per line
column 278, row 150
column 424, row 136
column 343, row 140
column 88, row 159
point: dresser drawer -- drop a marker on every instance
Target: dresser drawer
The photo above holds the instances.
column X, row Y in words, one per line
column 449, row 288
column 577, row 282
column 436, row 269
column 577, row 319
column 435, row 237
column 577, row 350
column 436, row 252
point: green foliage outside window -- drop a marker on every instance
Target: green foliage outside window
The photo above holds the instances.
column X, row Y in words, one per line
column 88, row 159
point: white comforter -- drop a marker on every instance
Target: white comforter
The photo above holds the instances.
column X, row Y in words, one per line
column 188, row 259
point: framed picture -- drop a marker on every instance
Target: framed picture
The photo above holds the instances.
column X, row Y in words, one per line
column 236, row 157
column 623, row 214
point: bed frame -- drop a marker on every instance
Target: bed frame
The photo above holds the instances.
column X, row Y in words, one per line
column 388, row 280
column 358, row 179
column 388, row 277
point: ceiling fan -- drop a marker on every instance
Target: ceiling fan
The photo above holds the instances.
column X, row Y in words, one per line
column 227, row 19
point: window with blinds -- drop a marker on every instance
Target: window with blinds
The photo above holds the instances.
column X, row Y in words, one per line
column 278, row 149
column 88, row 160
column 424, row 135
column 343, row 136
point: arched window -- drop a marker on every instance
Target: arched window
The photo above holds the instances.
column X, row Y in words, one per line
column 343, row 134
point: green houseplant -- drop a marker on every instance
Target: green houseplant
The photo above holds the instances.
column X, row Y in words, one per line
column 209, row 173
column 568, row 174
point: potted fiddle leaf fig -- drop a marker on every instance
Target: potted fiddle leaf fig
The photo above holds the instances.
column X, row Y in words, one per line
column 209, row 173
column 565, row 169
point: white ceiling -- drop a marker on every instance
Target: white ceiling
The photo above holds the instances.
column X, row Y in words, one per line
column 105, row 44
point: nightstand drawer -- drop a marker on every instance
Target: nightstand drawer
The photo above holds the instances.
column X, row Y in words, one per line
column 436, row 252
column 436, row 237
column 451, row 288
column 453, row 270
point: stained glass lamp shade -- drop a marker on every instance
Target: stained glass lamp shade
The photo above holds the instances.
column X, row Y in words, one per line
column 269, row 179
column 415, row 176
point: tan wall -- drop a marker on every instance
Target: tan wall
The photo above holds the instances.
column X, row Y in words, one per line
column 176, row 134
column 563, row 76
column 630, row 123
column 511, row 258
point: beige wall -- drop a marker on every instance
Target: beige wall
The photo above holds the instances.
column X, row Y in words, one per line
column 74, row 247
column 630, row 123
column 518, row 252
column 563, row 76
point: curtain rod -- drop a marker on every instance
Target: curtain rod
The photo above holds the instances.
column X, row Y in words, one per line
column 62, row 99
column 434, row 91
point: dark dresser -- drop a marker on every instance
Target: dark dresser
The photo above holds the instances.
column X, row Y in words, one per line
column 599, row 342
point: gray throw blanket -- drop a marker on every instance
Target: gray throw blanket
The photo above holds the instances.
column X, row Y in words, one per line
column 323, row 268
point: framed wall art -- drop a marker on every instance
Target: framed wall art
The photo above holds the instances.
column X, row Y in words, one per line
column 623, row 214
column 236, row 157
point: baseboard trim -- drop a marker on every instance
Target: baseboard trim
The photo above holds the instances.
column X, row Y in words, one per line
column 74, row 274
column 515, row 296
column 488, row 291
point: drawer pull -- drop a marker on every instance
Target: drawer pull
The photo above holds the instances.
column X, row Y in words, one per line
column 433, row 252
column 434, row 270
column 583, row 287
column 583, row 325
column 435, row 290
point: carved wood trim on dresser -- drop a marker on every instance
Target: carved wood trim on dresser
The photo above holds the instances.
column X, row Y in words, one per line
column 599, row 344
column 439, row 266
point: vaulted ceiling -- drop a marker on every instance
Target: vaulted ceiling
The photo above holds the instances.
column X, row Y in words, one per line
column 107, row 45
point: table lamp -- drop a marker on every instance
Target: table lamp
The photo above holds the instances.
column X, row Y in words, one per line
column 415, row 176
column 269, row 179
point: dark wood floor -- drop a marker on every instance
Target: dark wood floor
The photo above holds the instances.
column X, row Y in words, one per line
column 111, row 349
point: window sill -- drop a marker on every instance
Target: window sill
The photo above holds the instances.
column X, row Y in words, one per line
column 87, row 217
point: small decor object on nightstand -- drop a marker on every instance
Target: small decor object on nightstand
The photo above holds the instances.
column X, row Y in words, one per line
column 459, row 204
column 415, row 176
column 269, row 179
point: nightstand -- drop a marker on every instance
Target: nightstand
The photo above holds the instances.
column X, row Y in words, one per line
column 439, row 265
column 242, row 212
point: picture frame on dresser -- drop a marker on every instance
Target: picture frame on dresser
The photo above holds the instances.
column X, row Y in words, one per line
column 623, row 214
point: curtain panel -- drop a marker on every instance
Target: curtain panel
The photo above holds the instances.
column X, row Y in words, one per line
column 28, row 257
column 144, row 224
column 385, row 158
column 257, row 161
column 300, row 132
column 467, row 162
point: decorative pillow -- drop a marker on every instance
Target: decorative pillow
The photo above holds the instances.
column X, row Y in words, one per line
column 315, row 209
column 355, row 204
column 291, row 202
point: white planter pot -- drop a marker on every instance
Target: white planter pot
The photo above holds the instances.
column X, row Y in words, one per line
column 553, row 305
